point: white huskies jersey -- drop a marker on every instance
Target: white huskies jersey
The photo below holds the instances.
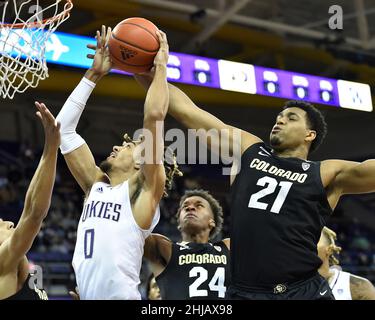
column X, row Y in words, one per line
column 340, row 284
column 109, row 248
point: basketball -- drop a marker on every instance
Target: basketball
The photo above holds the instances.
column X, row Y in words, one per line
column 133, row 45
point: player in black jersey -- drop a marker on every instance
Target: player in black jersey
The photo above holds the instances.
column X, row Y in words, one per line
column 194, row 268
column 16, row 242
column 279, row 199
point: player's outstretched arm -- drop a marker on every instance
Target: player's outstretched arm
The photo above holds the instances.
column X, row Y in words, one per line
column 184, row 110
column 155, row 110
column 157, row 251
column 361, row 288
column 77, row 154
column 38, row 196
column 355, row 177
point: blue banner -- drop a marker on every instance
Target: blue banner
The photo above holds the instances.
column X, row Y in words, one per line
column 70, row 50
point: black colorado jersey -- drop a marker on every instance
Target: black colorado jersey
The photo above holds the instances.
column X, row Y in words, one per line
column 195, row 271
column 279, row 207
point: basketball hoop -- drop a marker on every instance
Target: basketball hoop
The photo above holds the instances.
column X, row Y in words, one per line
column 23, row 36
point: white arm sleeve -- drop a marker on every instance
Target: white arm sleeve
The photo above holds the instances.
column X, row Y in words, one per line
column 70, row 114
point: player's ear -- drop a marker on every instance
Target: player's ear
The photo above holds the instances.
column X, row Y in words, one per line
column 212, row 224
column 310, row 136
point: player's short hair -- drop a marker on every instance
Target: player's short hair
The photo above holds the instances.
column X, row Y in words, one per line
column 216, row 208
column 330, row 237
column 170, row 165
column 315, row 121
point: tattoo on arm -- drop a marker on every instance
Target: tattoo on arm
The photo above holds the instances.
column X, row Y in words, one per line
column 361, row 288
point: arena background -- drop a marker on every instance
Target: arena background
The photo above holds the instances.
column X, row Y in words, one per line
column 271, row 33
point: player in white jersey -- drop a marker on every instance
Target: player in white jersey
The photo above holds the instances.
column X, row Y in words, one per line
column 344, row 285
column 122, row 195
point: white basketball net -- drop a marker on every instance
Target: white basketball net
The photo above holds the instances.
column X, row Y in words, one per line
column 23, row 41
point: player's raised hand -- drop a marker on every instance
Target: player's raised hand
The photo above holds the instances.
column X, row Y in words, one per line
column 102, row 63
column 50, row 125
column 162, row 56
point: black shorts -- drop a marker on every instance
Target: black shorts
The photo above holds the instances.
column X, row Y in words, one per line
column 315, row 288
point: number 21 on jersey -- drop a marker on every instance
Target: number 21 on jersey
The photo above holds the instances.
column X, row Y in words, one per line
column 270, row 185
